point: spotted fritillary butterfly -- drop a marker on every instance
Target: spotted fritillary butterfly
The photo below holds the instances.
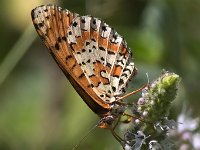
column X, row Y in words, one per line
column 92, row 55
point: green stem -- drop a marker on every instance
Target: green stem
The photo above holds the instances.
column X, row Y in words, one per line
column 16, row 52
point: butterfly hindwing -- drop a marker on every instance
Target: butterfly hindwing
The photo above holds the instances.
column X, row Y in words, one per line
column 103, row 56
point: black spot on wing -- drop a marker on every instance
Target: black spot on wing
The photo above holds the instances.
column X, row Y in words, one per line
column 57, row 46
column 102, row 95
column 81, row 75
column 104, row 28
column 88, row 61
column 93, row 75
column 113, row 88
column 64, row 38
column 98, row 84
column 111, row 53
column 68, row 57
column 93, row 40
column 83, row 21
column 121, row 82
column 120, row 61
column 125, row 75
column 87, row 43
column 101, row 48
column 70, row 33
column 94, row 21
column 74, row 24
column 117, row 76
column 71, row 46
column 123, row 90
column 36, row 26
column 92, row 85
column 102, row 59
column 108, row 65
column 126, row 69
column 107, row 95
column 74, row 65
column 40, row 25
column 59, row 39
column 45, row 10
column 78, row 53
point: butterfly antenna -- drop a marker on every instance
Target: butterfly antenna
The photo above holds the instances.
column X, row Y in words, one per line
column 129, row 94
column 86, row 135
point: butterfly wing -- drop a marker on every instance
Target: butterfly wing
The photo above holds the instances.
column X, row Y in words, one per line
column 103, row 56
column 52, row 24
column 93, row 56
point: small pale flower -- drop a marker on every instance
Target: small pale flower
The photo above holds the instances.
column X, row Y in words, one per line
column 196, row 141
column 187, row 123
column 141, row 101
column 154, row 145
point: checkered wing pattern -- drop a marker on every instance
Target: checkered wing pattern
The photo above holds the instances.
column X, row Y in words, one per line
column 93, row 56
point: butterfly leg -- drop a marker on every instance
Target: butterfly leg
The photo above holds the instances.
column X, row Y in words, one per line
column 131, row 116
column 116, row 136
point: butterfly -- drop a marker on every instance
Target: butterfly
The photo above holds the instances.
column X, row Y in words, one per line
column 92, row 55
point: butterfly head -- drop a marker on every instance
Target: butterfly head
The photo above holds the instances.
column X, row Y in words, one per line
column 107, row 120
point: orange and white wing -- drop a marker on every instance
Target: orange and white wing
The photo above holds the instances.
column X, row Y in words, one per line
column 52, row 24
column 93, row 56
column 103, row 56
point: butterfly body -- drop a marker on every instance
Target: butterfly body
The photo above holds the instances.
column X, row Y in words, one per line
column 94, row 57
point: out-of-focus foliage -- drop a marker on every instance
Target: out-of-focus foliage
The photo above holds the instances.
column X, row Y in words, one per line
column 39, row 109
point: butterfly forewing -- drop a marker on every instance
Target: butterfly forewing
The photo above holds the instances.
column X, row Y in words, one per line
column 52, row 23
column 93, row 56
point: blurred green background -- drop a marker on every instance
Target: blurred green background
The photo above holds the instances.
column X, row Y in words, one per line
column 40, row 110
